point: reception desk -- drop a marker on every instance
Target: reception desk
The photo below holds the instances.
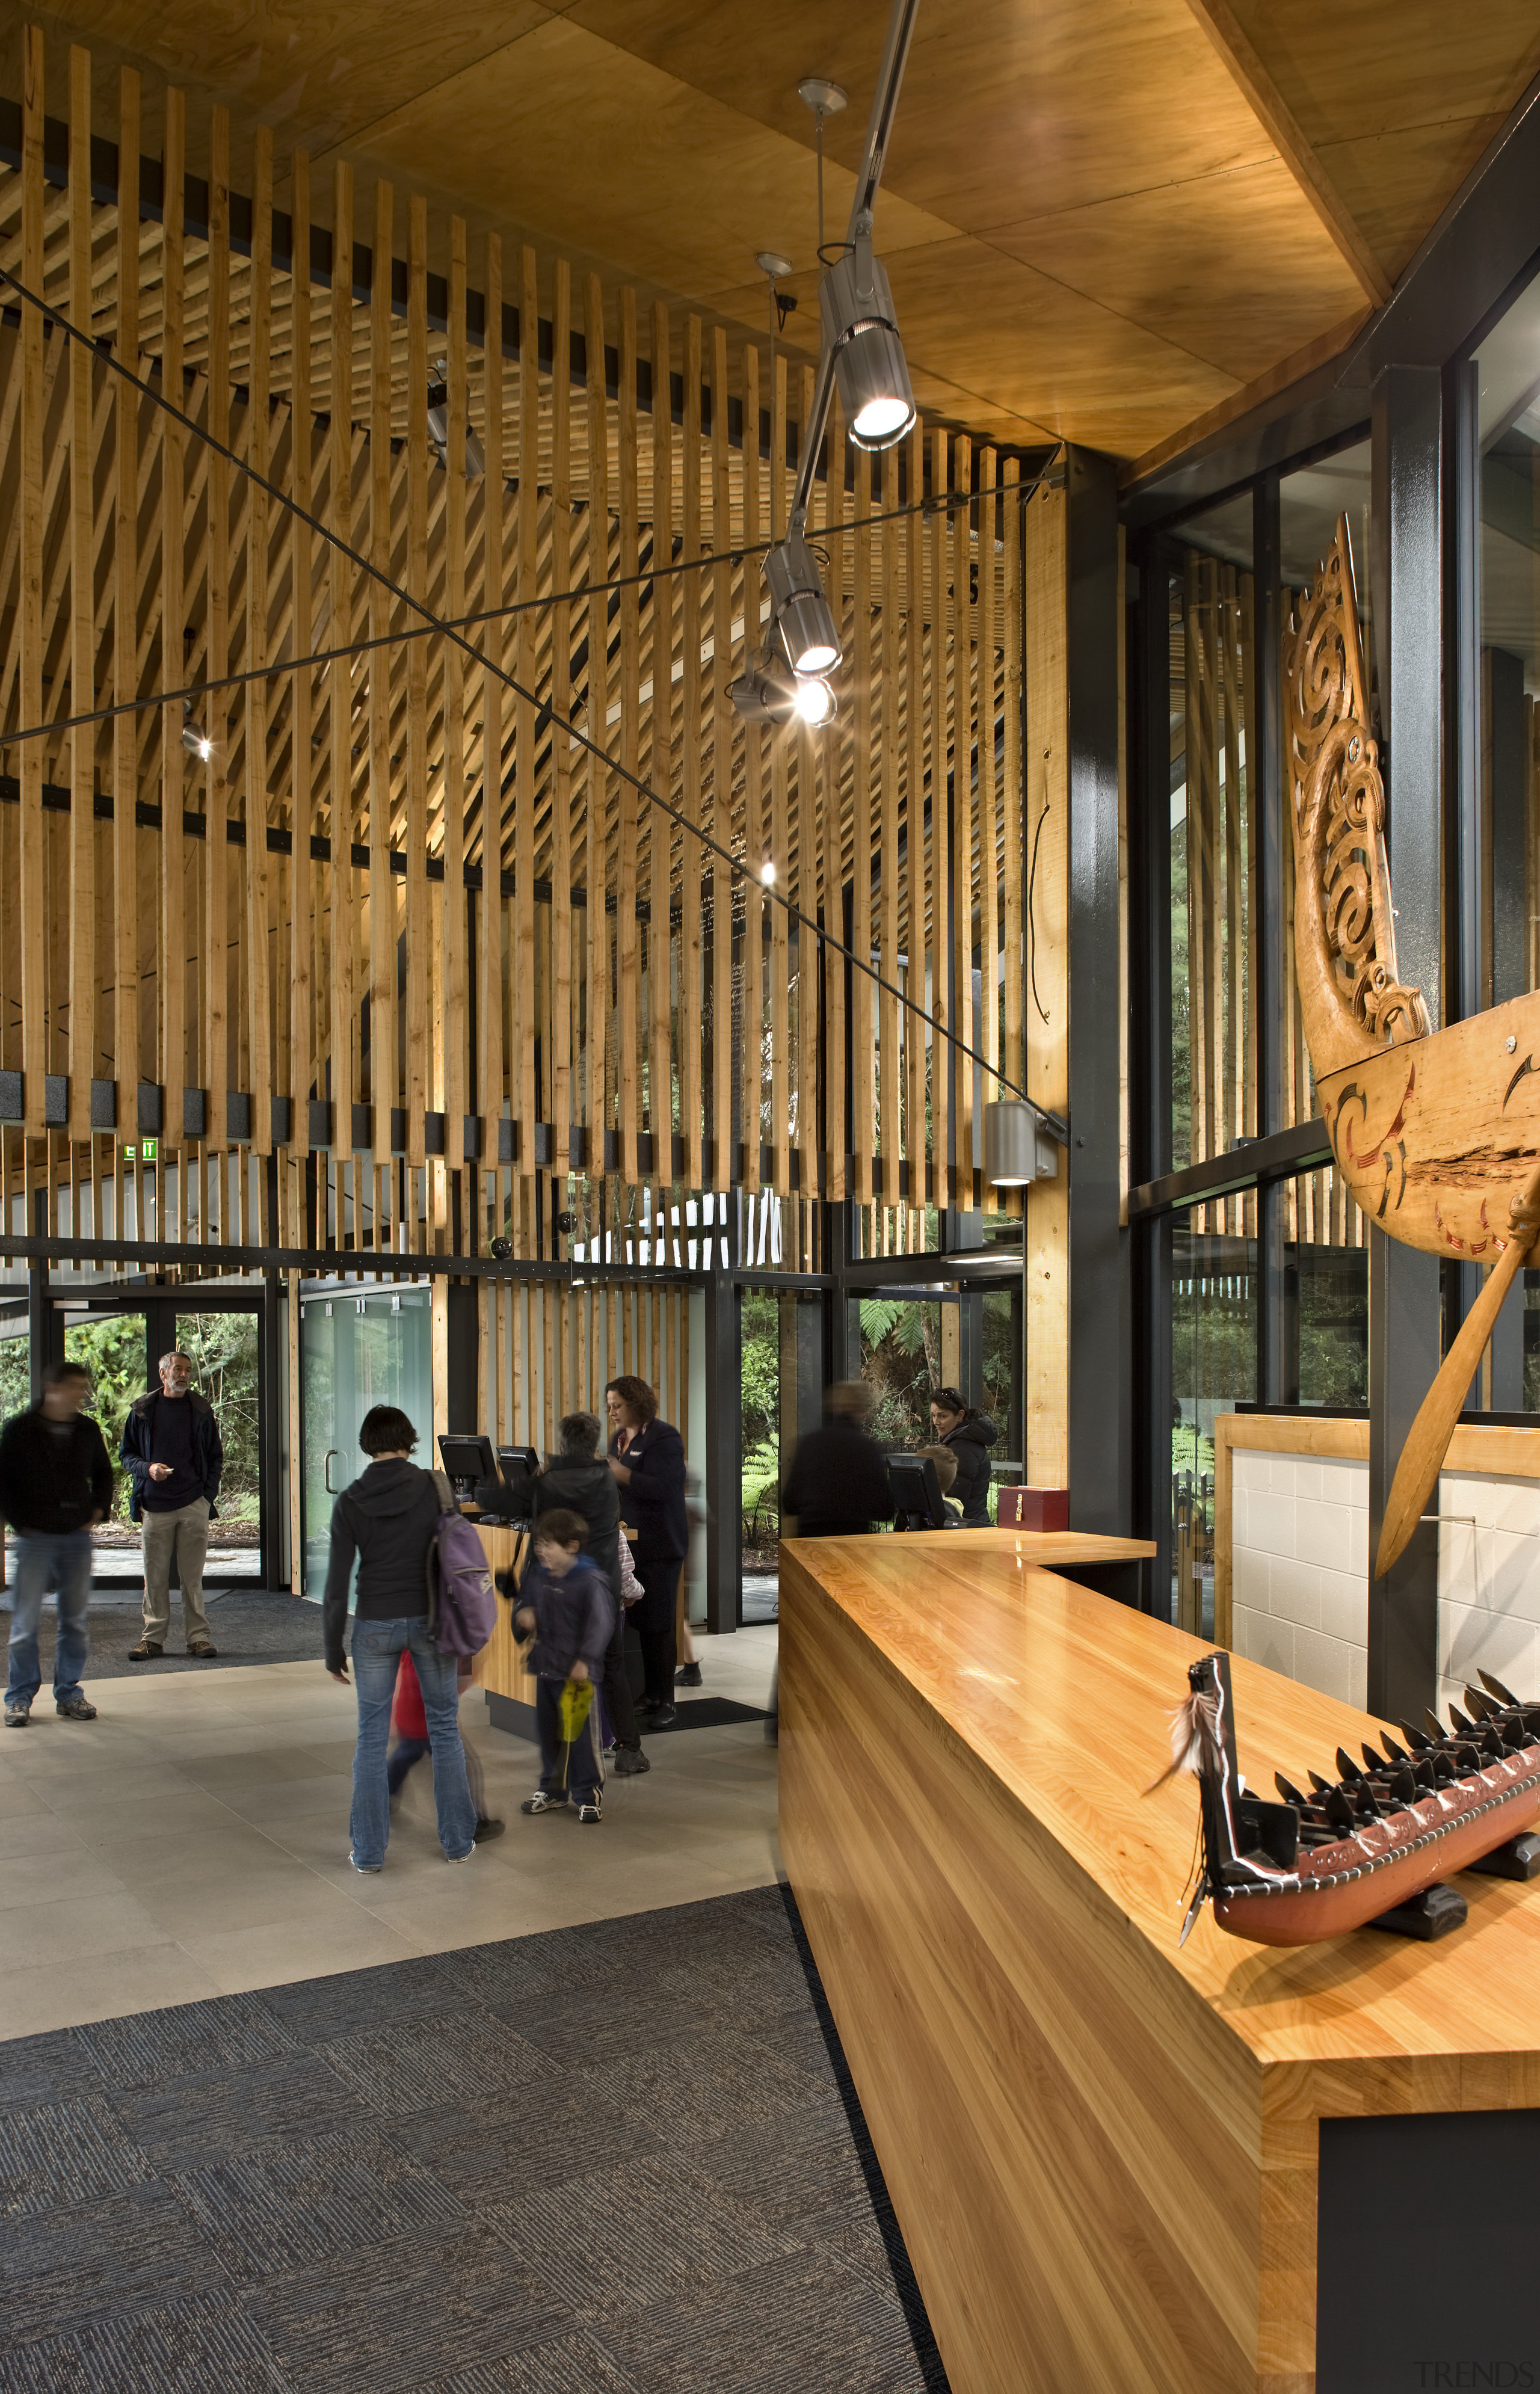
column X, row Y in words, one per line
column 1106, row 2153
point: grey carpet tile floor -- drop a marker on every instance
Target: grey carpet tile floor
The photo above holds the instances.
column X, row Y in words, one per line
column 624, row 2158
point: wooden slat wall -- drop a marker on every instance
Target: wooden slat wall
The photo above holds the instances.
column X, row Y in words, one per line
column 222, row 935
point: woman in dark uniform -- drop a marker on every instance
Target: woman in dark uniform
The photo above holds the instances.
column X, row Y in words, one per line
column 647, row 1457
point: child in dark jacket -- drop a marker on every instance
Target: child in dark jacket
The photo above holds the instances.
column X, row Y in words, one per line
column 566, row 1601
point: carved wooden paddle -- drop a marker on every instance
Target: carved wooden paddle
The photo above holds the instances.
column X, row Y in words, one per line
column 1427, row 1441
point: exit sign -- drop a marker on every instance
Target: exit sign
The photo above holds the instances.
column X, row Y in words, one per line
column 146, row 1152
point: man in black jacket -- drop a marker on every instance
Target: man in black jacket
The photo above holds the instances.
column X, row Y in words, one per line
column 837, row 1485
column 56, row 1484
column 172, row 1452
column 579, row 1480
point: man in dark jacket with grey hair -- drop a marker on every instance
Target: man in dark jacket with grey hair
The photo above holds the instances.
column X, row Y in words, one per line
column 55, row 1482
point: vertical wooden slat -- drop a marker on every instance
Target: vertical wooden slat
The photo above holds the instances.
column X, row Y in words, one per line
column 780, row 841
column 660, row 942
column 689, row 992
column 126, row 583
column 864, row 1043
column 916, row 1142
column 595, row 780
column 341, row 877
column 259, row 450
column 724, row 1163
column 453, row 1024
column 1012, row 1058
column 418, row 922
column 960, row 751
column 561, row 707
column 751, row 1004
column 489, row 1014
column 938, row 845
column 82, row 609
column 988, row 1030
column 889, row 1126
column 526, row 1102
column 215, row 800
column 628, row 951
column 830, row 744
column 382, row 897
column 304, row 1058
column 172, row 478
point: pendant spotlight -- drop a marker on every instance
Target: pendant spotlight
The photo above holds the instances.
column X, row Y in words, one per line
column 861, row 333
column 799, row 611
column 438, row 433
column 196, row 742
column 770, row 692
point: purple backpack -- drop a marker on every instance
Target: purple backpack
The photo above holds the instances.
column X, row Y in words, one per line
column 462, row 1609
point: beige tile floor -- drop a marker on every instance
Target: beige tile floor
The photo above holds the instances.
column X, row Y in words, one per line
column 192, row 1840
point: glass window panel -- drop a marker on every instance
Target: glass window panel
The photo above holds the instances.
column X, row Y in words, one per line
column 1508, row 367
column 1213, row 1295
column 1310, row 504
column 1213, row 852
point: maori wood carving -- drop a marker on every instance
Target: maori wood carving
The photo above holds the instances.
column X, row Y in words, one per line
column 1353, row 1003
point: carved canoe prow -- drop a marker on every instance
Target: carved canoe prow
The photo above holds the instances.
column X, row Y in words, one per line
column 1352, row 1001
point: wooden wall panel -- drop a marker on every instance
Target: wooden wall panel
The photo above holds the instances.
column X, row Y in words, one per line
column 363, row 894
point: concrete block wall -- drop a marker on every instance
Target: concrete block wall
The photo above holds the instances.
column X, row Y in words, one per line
column 1300, row 1544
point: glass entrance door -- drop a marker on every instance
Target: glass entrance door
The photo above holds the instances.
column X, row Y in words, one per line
column 356, row 1350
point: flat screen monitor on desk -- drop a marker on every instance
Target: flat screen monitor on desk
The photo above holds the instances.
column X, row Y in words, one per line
column 467, row 1462
column 520, row 1465
column 916, row 1492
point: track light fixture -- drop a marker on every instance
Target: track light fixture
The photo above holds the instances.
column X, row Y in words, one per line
column 195, row 741
column 799, row 611
column 438, row 433
column 770, row 692
column 861, row 335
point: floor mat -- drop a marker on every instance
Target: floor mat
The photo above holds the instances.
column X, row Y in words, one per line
column 625, row 2158
column 247, row 1624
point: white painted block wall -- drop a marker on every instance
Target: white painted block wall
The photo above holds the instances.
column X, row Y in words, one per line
column 1299, row 1575
column 1299, row 1561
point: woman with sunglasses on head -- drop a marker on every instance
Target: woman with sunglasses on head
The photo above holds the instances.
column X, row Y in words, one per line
column 647, row 1458
column 970, row 1434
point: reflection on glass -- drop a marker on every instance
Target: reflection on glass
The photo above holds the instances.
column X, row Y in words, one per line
column 1310, row 504
column 356, row 1352
column 1508, row 366
column 1213, row 1370
column 1213, row 851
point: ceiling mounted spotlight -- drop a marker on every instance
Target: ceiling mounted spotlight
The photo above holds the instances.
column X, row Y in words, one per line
column 799, row 611
column 195, row 741
column 861, row 335
column 769, row 693
column 815, row 700
column 438, row 433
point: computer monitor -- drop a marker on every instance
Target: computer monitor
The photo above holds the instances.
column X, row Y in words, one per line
column 467, row 1461
column 519, row 1465
column 916, row 1492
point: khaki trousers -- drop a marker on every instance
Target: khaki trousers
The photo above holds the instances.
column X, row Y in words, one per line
column 184, row 1533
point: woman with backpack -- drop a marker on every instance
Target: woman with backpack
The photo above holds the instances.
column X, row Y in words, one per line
column 389, row 1518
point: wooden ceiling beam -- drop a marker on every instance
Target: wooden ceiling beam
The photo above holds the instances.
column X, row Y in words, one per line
column 1283, row 127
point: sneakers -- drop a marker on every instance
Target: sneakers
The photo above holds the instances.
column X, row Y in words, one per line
column 75, row 1709
column 663, row 1715
column 688, row 1675
column 541, row 1802
column 369, row 1870
column 629, row 1761
column 462, row 1857
column 486, row 1830
column 589, row 1814
column 145, row 1652
column 18, row 1711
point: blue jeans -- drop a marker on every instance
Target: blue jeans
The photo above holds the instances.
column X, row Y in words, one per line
column 45, row 1561
column 378, row 1648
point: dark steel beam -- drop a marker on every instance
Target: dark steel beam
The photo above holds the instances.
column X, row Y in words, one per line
column 1405, row 1324
column 722, row 1363
column 1277, row 1357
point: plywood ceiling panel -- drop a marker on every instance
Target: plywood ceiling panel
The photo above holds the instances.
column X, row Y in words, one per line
column 1091, row 230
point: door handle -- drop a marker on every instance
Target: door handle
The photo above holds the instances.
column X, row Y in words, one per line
column 327, row 1469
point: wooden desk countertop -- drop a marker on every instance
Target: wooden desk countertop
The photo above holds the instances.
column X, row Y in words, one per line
column 1103, row 2151
column 1068, row 1698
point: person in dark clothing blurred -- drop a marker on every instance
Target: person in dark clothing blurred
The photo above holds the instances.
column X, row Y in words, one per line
column 579, row 1481
column 647, row 1458
column 56, row 1484
column 837, row 1485
column 389, row 1518
column 970, row 1434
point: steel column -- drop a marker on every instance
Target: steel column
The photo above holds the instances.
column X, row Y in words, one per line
column 724, row 1451
column 1277, row 1352
column 1403, row 1284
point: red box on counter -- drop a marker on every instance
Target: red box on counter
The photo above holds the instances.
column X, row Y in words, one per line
column 1034, row 1509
